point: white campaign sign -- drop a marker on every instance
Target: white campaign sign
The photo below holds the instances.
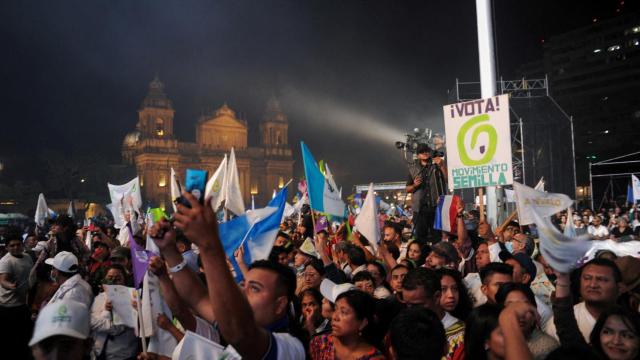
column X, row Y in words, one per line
column 478, row 143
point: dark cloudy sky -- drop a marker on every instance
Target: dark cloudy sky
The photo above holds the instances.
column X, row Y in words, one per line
column 353, row 76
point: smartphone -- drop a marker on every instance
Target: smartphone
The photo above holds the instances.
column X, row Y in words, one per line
column 195, row 182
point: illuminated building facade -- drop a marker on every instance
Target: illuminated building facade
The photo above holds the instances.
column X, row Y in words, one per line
column 153, row 149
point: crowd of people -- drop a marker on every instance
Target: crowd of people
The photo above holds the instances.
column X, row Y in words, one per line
column 474, row 293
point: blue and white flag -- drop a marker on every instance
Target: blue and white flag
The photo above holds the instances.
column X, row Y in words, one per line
column 322, row 195
column 446, row 213
column 256, row 230
column 560, row 251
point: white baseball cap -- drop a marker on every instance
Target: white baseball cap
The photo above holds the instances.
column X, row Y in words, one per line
column 331, row 290
column 63, row 317
column 64, row 261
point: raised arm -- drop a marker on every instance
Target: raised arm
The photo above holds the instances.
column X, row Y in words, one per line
column 187, row 283
column 514, row 341
column 170, row 295
column 234, row 313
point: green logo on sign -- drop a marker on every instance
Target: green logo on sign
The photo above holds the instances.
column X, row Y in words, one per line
column 487, row 151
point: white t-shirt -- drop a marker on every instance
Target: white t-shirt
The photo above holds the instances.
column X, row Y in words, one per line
column 585, row 320
column 17, row 270
column 601, row 230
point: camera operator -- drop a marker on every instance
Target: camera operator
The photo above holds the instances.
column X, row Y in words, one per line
column 426, row 182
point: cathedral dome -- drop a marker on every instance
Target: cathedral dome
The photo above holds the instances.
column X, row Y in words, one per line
column 225, row 110
column 131, row 139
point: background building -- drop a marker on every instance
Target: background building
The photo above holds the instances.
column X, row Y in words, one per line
column 153, row 149
column 594, row 75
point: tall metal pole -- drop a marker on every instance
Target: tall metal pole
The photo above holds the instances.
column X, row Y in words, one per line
column 487, row 83
column 591, row 186
column 524, row 177
column 573, row 155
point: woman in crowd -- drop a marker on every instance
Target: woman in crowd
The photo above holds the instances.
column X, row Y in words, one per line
column 493, row 332
column 622, row 229
column 312, row 320
column 540, row 344
column 113, row 342
column 616, row 335
column 379, row 274
column 352, row 328
column 313, row 274
column 417, row 253
column 455, row 298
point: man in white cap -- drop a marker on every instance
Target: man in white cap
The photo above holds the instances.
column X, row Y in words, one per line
column 60, row 332
column 71, row 285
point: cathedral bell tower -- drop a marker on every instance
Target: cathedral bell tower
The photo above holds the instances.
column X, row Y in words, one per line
column 155, row 116
column 274, row 129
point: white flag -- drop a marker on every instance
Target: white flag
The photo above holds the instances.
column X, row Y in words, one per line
column 194, row 346
column 161, row 341
column 71, row 210
column 529, row 200
column 367, row 220
column 175, row 189
column 42, row 211
column 635, row 185
column 511, row 197
column 125, row 199
column 128, row 193
column 561, row 252
column 232, row 193
column 214, row 188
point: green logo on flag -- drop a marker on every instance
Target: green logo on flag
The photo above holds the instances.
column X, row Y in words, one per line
column 487, row 151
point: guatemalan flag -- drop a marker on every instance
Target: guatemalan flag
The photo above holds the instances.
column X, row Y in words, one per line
column 255, row 230
column 446, row 213
column 322, row 196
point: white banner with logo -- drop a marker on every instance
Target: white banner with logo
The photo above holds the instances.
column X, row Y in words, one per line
column 478, row 143
column 530, row 201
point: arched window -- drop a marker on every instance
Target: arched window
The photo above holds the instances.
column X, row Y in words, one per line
column 159, row 127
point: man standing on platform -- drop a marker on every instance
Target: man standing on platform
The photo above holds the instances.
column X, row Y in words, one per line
column 427, row 181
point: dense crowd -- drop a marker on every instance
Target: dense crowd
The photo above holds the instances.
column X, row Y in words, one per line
column 475, row 293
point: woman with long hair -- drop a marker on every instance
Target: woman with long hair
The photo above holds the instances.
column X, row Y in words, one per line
column 417, row 253
column 616, row 334
column 455, row 298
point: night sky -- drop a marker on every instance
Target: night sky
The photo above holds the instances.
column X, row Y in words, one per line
column 353, row 76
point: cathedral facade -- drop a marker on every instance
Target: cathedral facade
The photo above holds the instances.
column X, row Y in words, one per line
column 153, row 149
